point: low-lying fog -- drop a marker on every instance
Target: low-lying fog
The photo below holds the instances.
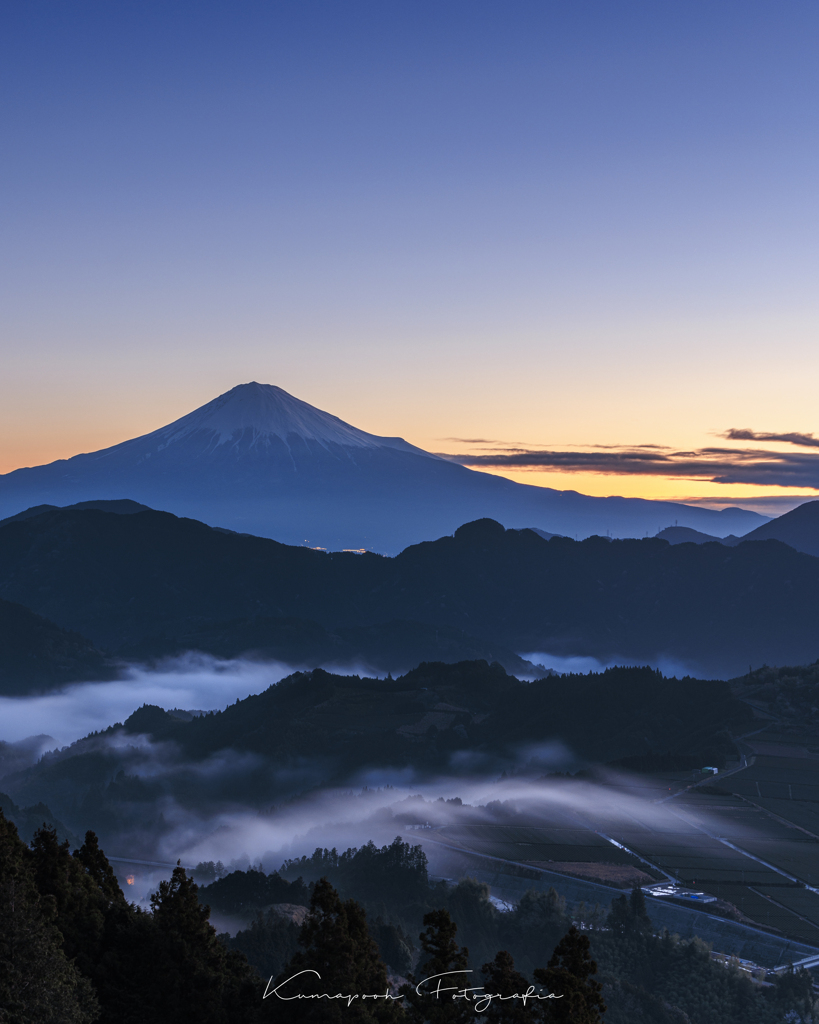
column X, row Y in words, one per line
column 607, row 809
column 377, row 805
column 191, row 682
column 198, row 682
column 581, row 664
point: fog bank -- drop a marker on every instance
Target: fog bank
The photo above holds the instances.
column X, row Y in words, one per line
column 582, row 664
column 192, row 681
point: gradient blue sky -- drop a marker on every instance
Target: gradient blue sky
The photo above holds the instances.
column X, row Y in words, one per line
column 547, row 224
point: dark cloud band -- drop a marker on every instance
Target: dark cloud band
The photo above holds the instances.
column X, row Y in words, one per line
column 717, row 465
column 803, row 440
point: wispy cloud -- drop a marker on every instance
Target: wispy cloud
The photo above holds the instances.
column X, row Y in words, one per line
column 754, row 466
column 470, row 440
column 804, row 440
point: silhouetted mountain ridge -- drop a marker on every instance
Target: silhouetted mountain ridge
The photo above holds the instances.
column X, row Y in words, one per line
column 122, row 579
column 798, row 528
column 122, row 506
column 383, row 647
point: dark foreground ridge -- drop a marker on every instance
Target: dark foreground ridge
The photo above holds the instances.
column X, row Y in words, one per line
column 36, row 654
column 149, row 584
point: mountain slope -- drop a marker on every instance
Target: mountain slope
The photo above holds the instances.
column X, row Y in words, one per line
column 120, row 579
column 35, row 654
column 383, row 647
column 799, row 528
column 684, row 535
column 123, row 507
column 257, row 460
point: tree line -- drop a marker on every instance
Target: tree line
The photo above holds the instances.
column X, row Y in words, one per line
column 73, row 950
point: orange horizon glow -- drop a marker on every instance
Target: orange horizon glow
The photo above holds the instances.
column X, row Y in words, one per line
column 26, row 456
column 632, row 485
column 514, row 246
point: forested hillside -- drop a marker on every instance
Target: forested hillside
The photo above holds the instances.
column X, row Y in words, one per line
column 317, row 728
column 73, row 950
column 153, row 579
column 36, row 654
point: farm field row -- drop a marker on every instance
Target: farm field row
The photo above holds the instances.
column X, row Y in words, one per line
column 753, row 852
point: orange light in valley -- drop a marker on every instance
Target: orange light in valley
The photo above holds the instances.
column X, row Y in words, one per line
column 130, row 879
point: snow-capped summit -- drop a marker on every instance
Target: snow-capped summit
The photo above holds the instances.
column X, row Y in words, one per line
column 257, row 412
column 257, row 460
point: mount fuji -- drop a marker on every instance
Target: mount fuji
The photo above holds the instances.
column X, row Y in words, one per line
column 257, row 460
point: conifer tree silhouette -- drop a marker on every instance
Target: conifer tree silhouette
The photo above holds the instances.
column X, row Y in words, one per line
column 205, row 981
column 441, row 955
column 38, row 983
column 501, row 978
column 569, row 976
column 338, row 958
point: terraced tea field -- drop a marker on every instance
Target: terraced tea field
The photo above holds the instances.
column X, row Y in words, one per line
column 749, row 837
column 541, row 844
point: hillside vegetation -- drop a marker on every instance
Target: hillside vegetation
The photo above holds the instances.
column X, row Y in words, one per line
column 154, row 580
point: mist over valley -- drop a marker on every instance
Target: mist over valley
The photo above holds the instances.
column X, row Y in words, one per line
column 516, row 718
column 409, row 513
